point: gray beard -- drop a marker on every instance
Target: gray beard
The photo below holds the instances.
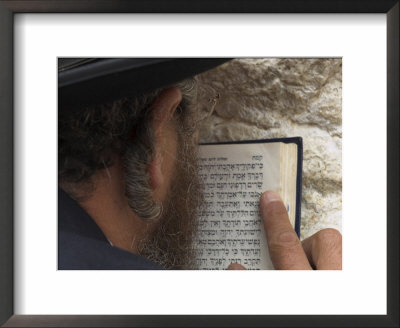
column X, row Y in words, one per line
column 171, row 244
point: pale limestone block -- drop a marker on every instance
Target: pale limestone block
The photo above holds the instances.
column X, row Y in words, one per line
column 267, row 98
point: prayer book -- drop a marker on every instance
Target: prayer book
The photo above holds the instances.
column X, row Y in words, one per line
column 235, row 174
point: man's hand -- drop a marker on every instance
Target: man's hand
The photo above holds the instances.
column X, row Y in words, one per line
column 321, row 251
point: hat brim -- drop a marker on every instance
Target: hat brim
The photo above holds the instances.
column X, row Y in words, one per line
column 89, row 81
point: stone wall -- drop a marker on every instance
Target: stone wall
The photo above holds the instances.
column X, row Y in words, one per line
column 269, row 98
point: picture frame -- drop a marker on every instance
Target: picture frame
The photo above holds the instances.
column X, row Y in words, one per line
column 9, row 8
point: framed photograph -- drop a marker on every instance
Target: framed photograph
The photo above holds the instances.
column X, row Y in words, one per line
column 358, row 40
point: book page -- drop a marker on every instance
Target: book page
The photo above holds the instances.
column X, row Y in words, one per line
column 231, row 230
column 288, row 176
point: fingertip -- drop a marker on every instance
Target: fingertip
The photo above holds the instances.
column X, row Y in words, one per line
column 236, row 266
column 269, row 197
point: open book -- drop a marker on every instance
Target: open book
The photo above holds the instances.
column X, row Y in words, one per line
column 235, row 175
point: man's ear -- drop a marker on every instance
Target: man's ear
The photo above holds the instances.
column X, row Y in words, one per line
column 163, row 110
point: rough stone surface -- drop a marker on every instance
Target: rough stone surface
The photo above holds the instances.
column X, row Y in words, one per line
column 269, row 98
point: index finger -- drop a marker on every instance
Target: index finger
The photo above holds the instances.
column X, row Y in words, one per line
column 285, row 248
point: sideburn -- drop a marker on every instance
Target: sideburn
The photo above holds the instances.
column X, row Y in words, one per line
column 171, row 244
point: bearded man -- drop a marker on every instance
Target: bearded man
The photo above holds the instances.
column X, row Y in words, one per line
column 128, row 184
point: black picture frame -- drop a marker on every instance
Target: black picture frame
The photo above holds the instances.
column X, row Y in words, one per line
column 10, row 7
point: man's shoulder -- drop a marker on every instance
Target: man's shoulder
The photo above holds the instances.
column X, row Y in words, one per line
column 77, row 252
column 83, row 246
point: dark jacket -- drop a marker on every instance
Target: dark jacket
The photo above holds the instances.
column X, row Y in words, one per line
column 83, row 246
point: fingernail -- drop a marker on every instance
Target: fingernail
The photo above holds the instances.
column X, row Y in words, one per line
column 270, row 196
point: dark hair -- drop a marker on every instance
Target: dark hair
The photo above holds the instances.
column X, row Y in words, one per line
column 89, row 138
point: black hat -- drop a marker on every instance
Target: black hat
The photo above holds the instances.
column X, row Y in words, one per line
column 88, row 81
